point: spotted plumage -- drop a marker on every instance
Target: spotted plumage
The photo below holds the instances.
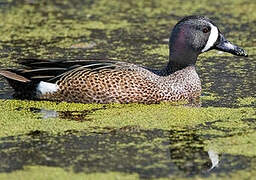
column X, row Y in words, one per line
column 90, row 81
column 124, row 82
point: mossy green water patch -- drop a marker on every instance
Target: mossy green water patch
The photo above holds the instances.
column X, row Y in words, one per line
column 248, row 101
column 136, row 152
column 58, row 24
column 162, row 50
column 162, row 116
column 237, row 144
column 16, row 117
column 42, row 172
column 214, row 126
column 230, row 78
column 50, row 173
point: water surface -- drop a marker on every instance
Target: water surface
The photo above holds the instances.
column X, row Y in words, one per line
column 136, row 141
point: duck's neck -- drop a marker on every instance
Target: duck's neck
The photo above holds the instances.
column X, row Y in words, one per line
column 179, row 59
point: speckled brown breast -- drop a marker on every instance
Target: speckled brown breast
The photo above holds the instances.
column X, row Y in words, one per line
column 126, row 85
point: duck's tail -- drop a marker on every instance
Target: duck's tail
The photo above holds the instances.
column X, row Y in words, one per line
column 40, row 76
column 26, row 80
column 23, row 87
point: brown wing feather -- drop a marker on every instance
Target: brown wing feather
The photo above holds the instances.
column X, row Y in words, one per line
column 13, row 76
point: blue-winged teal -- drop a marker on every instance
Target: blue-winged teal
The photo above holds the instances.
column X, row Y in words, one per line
column 110, row 81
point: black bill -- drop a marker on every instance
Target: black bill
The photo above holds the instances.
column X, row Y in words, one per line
column 223, row 44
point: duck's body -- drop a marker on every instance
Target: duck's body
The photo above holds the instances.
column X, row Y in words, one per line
column 111, row 81
column 123, row 82
column 104, row 82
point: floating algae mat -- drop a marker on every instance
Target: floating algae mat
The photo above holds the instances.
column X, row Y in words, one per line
column 141, row 141
column 48, row 140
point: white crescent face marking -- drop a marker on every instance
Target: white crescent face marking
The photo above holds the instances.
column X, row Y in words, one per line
column 45, row 87
column 212, row 38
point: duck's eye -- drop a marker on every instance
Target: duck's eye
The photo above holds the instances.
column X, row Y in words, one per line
column 206, row 29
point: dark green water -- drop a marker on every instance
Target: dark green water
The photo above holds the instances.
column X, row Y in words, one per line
column 98, row 152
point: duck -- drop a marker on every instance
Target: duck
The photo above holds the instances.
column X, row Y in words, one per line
column 109, row 81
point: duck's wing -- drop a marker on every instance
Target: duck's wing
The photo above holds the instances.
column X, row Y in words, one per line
column 51, row 70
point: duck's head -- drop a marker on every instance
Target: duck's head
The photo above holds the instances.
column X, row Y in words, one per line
column 194, row 35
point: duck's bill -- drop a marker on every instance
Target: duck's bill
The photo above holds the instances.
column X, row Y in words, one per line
column 224, row 45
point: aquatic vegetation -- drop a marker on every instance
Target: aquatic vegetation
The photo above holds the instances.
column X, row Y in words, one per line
column 69, row 140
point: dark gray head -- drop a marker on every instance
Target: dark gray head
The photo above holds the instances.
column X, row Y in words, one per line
column 194, row 35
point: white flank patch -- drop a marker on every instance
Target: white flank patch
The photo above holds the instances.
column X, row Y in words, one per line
column 45, row 87
column 214, row 157
column 212, row 38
